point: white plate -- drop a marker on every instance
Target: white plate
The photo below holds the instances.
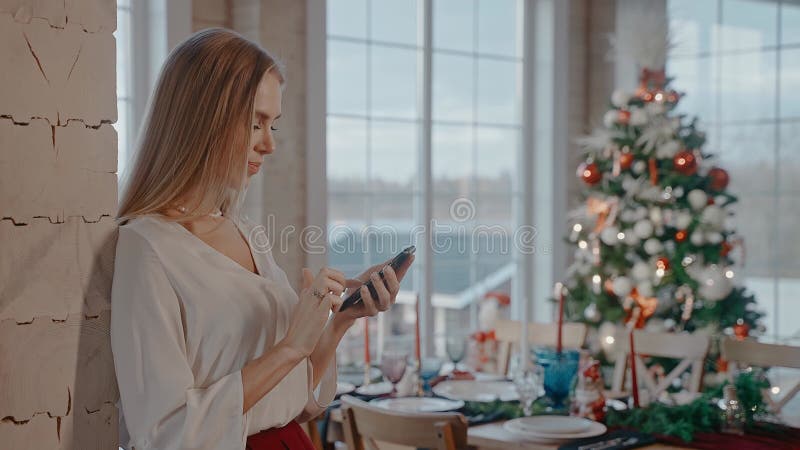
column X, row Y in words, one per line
column 374, row 389
column 557, row 433
column 418, row 404
column 477, row 391
column 483, row 376
column 343, row 387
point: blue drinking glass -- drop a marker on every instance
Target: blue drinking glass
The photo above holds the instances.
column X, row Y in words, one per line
column 429, row 370
column 559, row 374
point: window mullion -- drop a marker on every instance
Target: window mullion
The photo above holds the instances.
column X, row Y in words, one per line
column 424, row 205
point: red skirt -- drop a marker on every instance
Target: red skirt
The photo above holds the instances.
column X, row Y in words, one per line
column 290, row 437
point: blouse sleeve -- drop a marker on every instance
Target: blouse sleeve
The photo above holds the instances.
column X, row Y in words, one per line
column 322, row 396
column 162, row 407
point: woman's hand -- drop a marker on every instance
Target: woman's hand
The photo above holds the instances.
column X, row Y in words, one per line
column 318, row 297
column 387, row 291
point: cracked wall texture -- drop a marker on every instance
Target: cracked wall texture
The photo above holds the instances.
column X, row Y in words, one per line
column 58, row 195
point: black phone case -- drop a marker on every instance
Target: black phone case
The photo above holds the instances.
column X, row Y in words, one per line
column 396, row 262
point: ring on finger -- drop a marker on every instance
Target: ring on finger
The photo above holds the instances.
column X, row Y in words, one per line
column 318, row 294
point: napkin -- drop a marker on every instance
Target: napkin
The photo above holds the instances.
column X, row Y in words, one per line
column 620, row 439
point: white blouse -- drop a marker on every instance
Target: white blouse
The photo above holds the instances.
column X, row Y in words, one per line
column 185, row 319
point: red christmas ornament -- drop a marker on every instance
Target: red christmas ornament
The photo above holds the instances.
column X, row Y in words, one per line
column 646, row 95
column 673, row 97
column 590, row 173
column 624, row 116
column 680, row 235
column 726, row 248
column 741, row 330
column 722, row 365
column 685, row 162
column 626, row 160
column 662, row 263
column 719, row 179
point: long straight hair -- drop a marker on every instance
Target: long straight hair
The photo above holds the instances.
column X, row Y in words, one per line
column 198, row 127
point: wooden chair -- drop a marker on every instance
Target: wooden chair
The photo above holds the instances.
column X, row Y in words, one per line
column 367, row 427
column 691, row 349
column 763, row 355
column 508, row 333
column 312, row 431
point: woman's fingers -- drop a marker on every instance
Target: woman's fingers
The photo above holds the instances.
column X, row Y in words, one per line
column 392, row 284
column 334, row 286
column 384, row 298
column 370, row 305
column 335, row 301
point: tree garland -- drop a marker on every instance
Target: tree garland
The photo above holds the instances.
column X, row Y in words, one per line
column 701, row 415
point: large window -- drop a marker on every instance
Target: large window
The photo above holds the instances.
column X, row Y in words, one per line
column 123, row 36
column 376, row 75
column 739, row 63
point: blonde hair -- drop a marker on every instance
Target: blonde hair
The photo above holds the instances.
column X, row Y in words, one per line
column 197, row 131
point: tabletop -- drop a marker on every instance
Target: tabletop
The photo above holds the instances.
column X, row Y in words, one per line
column 490, row 436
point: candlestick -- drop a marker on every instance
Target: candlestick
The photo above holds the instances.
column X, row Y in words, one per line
column 634, row 380
column 559, row 294
column 524, row 346
column 417, row 349
column 367, row 362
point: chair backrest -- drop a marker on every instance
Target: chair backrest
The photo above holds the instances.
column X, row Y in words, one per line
column 367, row 426
column 509, row 332
column 690, row 349
column 763, row 355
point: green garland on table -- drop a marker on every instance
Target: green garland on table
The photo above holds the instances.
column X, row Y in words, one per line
column 701, row 415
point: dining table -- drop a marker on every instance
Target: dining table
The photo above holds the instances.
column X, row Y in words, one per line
column 488, row 436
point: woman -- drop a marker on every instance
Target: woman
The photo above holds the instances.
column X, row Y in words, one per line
column 212, row 347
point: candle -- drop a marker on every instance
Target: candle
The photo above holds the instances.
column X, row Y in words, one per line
column 634, row 380
column 417, row 350
column 559, row 294
column 366, row 351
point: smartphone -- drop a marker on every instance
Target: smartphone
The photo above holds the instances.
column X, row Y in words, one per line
column 396, row 263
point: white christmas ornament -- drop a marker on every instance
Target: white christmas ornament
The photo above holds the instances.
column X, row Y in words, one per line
column 678, row 192
column 714, row 285
column 653, row 246
column 622, row 286
column 641, row 271
column 631, row 185
column 643, row 229
column 683, row 219
column 697, row 238
column 609, row 235
column 656, row 216
column 591, row 313
column 627, row 215
column 638, row 117
column 631, row 238
column 639, row 167
column 713, row 237
column 620, row 98
column 713, row 216
column 610, row 118
column 697, row 199
column 645, row 288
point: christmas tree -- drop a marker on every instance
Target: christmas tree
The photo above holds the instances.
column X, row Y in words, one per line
column 654, row 240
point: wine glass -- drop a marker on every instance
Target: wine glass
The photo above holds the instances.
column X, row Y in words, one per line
column 456, row 347
column 393, row 367
column 529, row 382
column 429, row 370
